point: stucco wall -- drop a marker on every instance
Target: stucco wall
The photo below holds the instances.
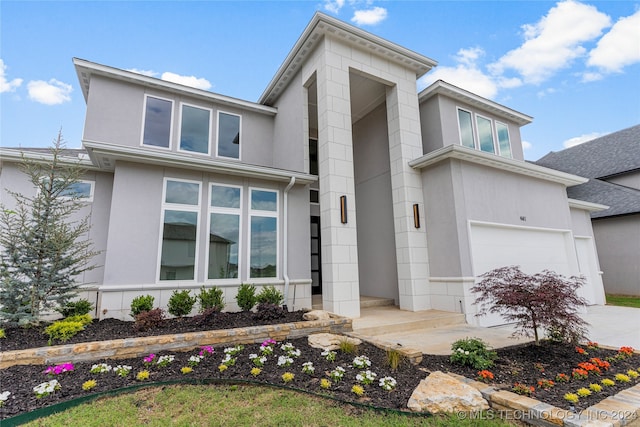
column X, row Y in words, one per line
column 290, row 139
column 631, row 179
column 618, row 241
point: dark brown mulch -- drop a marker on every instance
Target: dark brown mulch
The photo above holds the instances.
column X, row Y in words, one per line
column 524, row 364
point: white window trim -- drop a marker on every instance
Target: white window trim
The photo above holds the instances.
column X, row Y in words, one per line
column 473, row 127
column 221, row 210
column 208, row 153
column 496, row 122
column 267, row 214
column 178, row 207
column 80, row 199
column 493, row 135
column 218, row 135
column 144, row 118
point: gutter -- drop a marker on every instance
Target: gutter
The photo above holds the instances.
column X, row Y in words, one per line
column 285, row 245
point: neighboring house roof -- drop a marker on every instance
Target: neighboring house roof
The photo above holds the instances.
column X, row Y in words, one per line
column 610, row 155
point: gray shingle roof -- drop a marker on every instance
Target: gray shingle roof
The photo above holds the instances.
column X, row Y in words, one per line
column 614, row 154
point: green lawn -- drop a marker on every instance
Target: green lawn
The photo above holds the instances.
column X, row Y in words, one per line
column 197, row 405
column 622, row 300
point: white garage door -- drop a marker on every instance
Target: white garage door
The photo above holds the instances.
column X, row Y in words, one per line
column 534, row 250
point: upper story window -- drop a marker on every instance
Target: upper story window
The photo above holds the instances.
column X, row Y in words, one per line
column 313, row 156
column 488, row 135
column 80, row 190
column 195, row 129
column 158, row 114
column 228, row 135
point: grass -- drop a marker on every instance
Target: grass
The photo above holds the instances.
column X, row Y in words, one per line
column 623, row 300
column 197, row 405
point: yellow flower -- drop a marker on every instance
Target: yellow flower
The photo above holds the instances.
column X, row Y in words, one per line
column 186, row 370
column 583, row 392
column 357, row 390
column 222, row 367
column 623, row 378
column 571, row 397
column 325, row 383
column 142, row 375
column 607, row 382
column 632, row 373
column 256, row 371
column 88, row 385
column 595, row 387
column 287, row 377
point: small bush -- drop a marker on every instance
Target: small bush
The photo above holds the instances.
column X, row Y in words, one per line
column 181, row 303
column 141, row 304
column 148, row 319
column 2, row 333
column 63, row 330
column 211, row 298
column 246, row 297
column 394, row 358
column 267, row 311
column 85, row 319
column 472, row 352
column 269, row 294
column 75, row 308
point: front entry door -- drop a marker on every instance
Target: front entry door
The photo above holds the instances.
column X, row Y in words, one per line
column 316, row 265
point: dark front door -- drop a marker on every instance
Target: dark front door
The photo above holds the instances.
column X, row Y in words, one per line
column 316, row 265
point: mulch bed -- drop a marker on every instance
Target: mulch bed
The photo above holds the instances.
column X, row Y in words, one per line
column 525, row 364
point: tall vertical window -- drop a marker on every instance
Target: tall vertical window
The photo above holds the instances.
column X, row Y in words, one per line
column 485, row 134
column 180, row 230
column 466, row 128
column 195, row 129
column 157, row 122
column 313, row 156
column 504, row 144
column 263, row 234
column 228, row 135
column 224, row 231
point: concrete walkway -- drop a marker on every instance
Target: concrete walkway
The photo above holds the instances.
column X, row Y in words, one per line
column 609, row 326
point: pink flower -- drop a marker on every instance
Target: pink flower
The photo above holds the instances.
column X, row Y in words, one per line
column 269, row 342
column 207, row 349
column 149, row 358
column 59, row 369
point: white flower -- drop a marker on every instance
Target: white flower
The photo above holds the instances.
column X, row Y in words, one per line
column 100, row 368
column 361, row 362
column 329, row 355
column 194, row 360
column 4, row 396
column 284, row 361
column 366, row 377
column 337, row 373
column 387, row 383
column 308, row 368
column 122, row 370
column 45, row 389
column 165, row 360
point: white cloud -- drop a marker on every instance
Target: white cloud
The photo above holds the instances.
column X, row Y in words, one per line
column 52, row 92
column 526, row 145
column 5, row 85
column 333, row 6
column 619, row 47
column 554, row 41
column 545, row 92
column 198, row 83
column 571, row 142
column 369, row 17
column 148, row 73
column 465, row 75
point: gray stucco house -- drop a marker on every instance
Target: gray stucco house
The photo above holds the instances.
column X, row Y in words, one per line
column 612, row 164
column 341, row 180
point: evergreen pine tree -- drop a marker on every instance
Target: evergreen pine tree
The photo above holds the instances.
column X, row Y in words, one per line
column 44, row 245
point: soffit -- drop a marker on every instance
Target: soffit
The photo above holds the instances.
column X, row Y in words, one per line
column 322, row 25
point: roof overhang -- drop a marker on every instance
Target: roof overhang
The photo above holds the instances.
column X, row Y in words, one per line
column 106, row 155
column 491, row 160
column 14, row 155
column 86, row 70
column 587, row 206
column 446, row 89
column 322, row 25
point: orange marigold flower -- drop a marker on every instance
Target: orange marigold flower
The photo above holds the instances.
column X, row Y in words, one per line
column 581, row 350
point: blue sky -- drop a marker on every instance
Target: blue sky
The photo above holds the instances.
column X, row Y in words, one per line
column 573, row 66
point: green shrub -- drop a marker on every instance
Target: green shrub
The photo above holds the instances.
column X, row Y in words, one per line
column 181, row 303
column 63, row 330
column 73, row 308
column 85, row 319
column 2, row 333
column 472, row 352
column 211, row 298
column 246, row 297
column 270, row 295
column 149, row 319
column 141, row 303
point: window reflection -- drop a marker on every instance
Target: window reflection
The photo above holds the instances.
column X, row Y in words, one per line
column 224, row 236
column 228, row 135
column 225, row 197
column 194, row 131
column 177, row 261
column 184, row 193
column 264, row 246
column 157, row 122
column 264, row 200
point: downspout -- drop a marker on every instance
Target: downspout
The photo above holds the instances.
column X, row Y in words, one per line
column 285, row 245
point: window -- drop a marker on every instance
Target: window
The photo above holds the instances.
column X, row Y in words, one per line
column 179, row 244
column 224, row 231
column 195, row 125
column 504, row 145
column 263, row 234
column 158, row 114
column 81, row 190
column 485, row 134
column 466, row 128
column 313, row 156
column 228, row 135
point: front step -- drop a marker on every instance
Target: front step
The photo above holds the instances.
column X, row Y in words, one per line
column 365, row 302
column 387, row 320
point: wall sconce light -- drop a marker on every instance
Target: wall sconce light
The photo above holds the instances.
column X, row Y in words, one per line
column 343, row 209
column 416, row 216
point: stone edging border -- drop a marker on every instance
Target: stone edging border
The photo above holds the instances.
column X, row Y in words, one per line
column 136, row 347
